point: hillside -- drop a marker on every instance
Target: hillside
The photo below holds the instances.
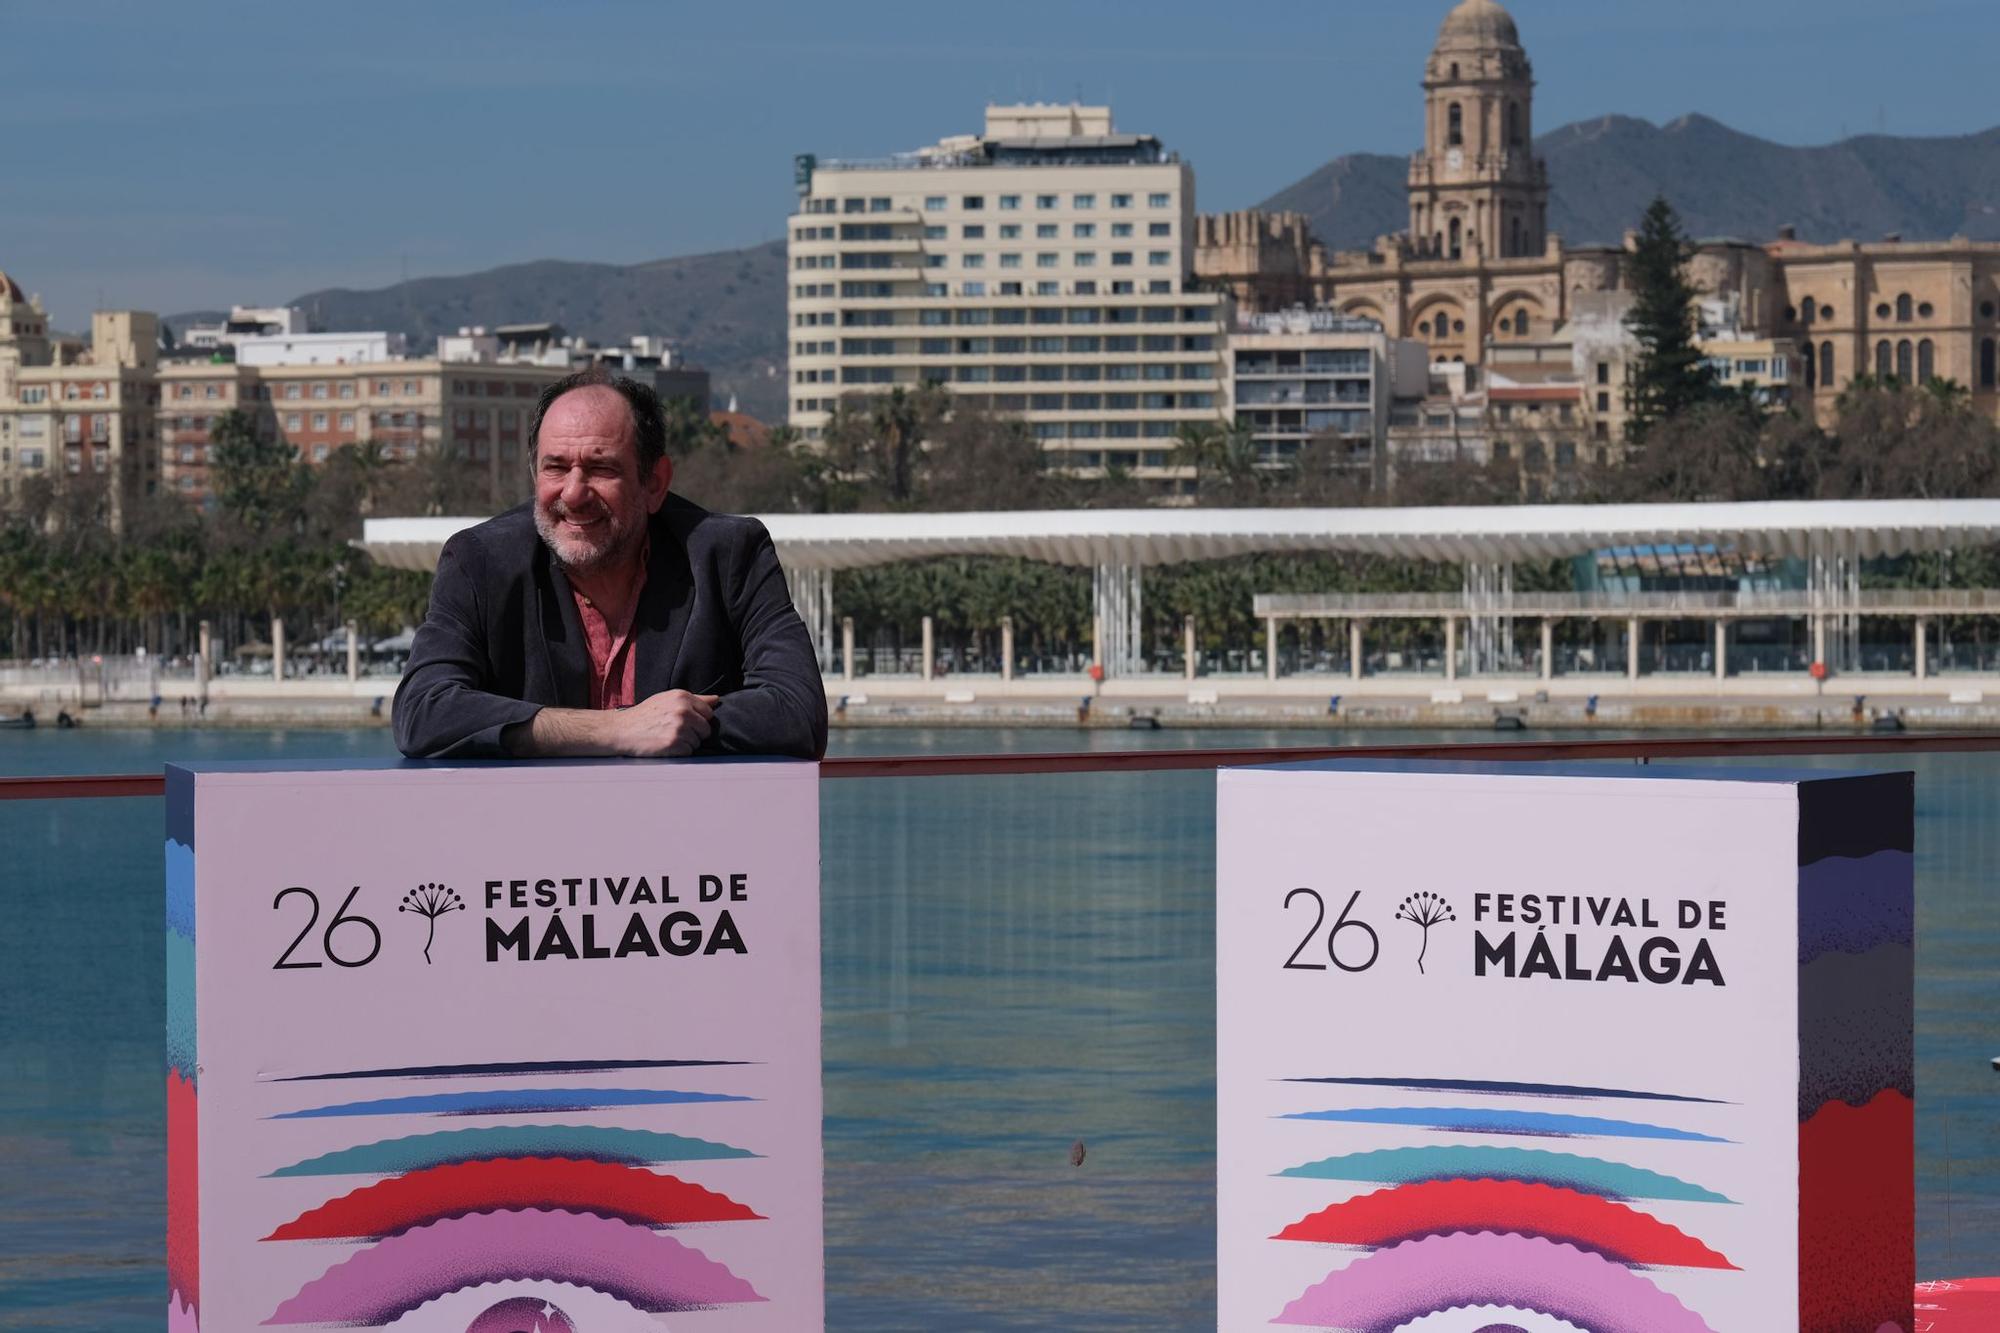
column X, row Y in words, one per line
column 728, row 308
column 1603, row 173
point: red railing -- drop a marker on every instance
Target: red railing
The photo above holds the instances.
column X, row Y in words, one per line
column 1142, row 761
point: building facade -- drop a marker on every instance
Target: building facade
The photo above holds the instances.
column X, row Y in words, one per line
column 1044, row 266
column 1478, row 270
column 1300, row 377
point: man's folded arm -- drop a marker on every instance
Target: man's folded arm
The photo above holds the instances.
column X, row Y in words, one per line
column 781, row 709
column 441, row 711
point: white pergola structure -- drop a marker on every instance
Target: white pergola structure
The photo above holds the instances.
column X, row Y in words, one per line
column 1831, row 536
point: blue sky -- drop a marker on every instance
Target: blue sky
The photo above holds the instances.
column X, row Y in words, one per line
column 186, row 154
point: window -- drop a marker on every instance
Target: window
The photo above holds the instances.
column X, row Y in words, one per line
column 1121, row 259
column 1989, row 364
column 1807, row 310
column 1010, row 231
column 347, row 421
column 1121, row 229
column 879, row 204
column 347, row 388
column 936, row 233
column 1159, row 258
column 1884, row 366
column 1047, row 260
column 1604, row 372
column 1926, row 361
column 293, row 421
column 1986, row 309
column 1604, row 402
column 1083, row 201
column 972, row 203
column 1903, row 308
column 1010, row 201
column 1086, row 289
column 1048, row 289
column 1925, row 311
column 974, row 261
column 1083, row 230
column 1085, row 258
column 1513, row 125
column 1906, row 363
column 1159, row 228
column 1826, row 365
column 1456, row 244
column 1455, row 135
column 292, row 391
column 319, row 421
column 1121, row 201
column 1010, row 261
column 1882, row 310
column 973, row 232
column 1046, row 231
column 1045, row 201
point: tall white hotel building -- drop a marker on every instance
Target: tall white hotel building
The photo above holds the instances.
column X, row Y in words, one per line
column 1045, row 265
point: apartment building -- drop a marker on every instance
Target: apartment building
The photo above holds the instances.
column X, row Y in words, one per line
column 1044, row 265
column 477, row 411
column 70, row 410
column 1303, row 375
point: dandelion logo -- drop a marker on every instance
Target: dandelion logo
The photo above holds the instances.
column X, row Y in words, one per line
column 1425, row 910
column 431, row 901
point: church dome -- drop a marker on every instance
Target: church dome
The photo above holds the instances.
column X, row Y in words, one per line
column 1478, row 25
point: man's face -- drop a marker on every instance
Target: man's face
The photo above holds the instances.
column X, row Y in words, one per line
column 591, row 501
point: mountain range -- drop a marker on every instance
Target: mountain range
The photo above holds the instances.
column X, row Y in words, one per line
column 728, row 307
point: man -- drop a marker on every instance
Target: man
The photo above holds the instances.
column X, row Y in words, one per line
column 608, row 617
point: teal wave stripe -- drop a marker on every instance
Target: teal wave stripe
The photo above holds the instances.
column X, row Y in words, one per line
column 180, row 1005
column 180, row 888
column 414, row 1152
column 1587, row 1175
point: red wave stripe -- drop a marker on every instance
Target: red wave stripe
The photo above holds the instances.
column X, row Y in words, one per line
column 1857, row 1215
column 1436, row 1207
column 629, row 1193
column 183, row 1191
column 1959, row 1305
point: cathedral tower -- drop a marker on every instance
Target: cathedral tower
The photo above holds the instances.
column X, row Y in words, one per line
column 1478, row 191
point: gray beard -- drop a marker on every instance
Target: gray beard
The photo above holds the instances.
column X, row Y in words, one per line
column 621, row 547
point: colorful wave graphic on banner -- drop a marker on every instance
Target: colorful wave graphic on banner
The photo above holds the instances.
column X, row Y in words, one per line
column 511, row 1101
column 1393, row 1287
column 630, row 1193
column 1586, row 1175
column 506, row 1069
column 183, row 1067
column 1490, row 1120
column 597, row 1143
column 646, row 1269
column 1434, row 1207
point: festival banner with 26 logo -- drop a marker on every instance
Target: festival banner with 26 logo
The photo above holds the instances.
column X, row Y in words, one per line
column 494, row 1048
column 1544, row 1049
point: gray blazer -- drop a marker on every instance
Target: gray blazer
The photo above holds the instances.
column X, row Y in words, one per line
column 502, row 638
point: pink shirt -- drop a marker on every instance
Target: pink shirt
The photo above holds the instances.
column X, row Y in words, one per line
column 614, row 677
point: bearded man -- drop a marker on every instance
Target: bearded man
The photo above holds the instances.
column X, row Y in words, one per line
column 607, row 616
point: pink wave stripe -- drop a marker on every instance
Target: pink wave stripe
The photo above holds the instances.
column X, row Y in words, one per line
column 653, row 1272
column 1419, row 1277
column 181, row 1316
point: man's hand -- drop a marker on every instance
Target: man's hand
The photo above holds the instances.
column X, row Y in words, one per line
column 665, row 725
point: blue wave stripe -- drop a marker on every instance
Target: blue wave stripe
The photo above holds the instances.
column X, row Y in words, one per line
column 511, row 1100
column 1852, row 905
column 180, row 888
column 1506, row 1089
column 1487, row 1120
column 1587, row 1175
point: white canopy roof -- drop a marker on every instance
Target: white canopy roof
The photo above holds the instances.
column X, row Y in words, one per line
column 1498, row 533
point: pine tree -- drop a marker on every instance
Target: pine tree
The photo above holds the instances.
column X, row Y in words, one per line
column 1670, row 374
